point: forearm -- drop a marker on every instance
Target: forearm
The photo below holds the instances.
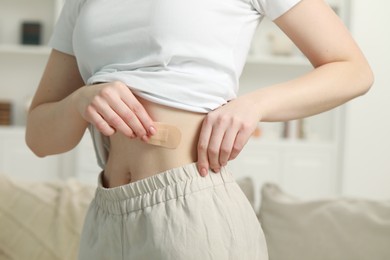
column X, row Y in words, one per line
column 55, row 127
column 324, row 88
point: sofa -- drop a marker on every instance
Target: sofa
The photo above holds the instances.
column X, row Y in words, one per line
column 43, row 220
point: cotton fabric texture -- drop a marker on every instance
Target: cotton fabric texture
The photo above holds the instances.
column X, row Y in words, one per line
column 176, row 214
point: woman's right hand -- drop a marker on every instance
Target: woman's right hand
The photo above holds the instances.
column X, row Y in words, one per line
column 111, row 107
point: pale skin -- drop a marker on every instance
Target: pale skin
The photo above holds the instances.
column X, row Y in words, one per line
column 63, row 106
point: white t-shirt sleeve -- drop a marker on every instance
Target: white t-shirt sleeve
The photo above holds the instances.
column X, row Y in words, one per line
column 273, row 8
column 62, row 36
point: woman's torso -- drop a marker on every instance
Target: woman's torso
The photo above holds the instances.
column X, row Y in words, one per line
column 130, row 160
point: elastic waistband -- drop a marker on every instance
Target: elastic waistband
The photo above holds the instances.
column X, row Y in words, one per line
column 158, row 188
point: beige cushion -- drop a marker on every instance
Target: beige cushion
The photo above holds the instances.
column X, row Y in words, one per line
column 247, row 186
column 334, row 229
column 41, row 220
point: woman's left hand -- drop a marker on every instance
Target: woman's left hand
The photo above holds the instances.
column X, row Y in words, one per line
column 224, row 133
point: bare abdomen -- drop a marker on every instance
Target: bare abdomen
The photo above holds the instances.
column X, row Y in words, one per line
column 132, row 159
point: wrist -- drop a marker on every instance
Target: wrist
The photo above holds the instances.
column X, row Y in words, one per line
column 74, row 103
column 255, row 104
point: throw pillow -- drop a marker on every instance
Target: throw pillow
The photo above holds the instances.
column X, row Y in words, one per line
column 331, row 229
column 41, row 220
column 247, row 186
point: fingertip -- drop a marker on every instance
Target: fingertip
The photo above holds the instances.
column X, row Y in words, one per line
column 152, row 130
column 203, row 171
column 222, row 163
column 109, row 132
column 131, row 136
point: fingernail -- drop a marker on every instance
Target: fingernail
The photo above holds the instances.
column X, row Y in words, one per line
column 216, row 170
column 203, row 172
column 152, row 130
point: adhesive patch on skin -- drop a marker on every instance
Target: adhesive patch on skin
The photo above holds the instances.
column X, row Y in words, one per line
column 167, row 136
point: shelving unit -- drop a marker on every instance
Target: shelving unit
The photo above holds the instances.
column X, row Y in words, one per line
column 307, row 166
column 22, row 65
column 24, row 50
column 287, row 62
column 14, row 12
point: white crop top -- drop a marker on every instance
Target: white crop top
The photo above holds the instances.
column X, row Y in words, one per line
column 187, row 54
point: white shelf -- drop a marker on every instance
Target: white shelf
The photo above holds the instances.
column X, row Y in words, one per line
column 14, row 12
column 24, row 49
column 11, row 129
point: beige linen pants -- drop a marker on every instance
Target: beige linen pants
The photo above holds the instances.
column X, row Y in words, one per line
column 176, row 214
